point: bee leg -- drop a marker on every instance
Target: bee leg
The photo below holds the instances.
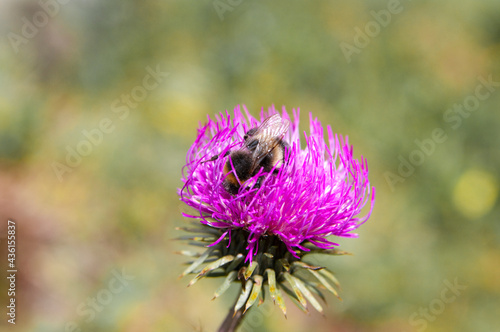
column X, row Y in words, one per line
column 259, row 182
column 214, row 158
column 211, row 159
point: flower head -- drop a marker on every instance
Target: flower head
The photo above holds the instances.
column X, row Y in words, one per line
column 318, row 192
column 317, row 189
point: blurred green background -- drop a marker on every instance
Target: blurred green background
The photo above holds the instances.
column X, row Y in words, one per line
column 74, row 77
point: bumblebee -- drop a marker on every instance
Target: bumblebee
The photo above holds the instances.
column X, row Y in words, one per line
column 263, row 148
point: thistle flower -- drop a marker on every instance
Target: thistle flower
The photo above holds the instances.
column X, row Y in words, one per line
column 261, row 234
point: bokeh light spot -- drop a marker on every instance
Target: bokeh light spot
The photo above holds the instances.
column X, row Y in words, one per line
column 475, row 193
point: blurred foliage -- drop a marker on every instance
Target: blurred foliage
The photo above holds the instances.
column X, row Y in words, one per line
column 117, row 207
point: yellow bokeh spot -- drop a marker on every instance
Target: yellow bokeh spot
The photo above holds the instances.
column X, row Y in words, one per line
column 475, row 193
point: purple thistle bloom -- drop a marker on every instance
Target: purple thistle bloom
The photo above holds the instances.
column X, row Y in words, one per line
column 318, row 191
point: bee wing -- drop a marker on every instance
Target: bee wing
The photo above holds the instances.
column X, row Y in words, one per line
column 269, row 134
column 272, row 127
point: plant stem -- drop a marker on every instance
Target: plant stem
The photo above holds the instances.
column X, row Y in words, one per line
column 232, row 320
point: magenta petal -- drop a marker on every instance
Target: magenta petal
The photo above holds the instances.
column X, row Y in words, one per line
column 219, row 239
